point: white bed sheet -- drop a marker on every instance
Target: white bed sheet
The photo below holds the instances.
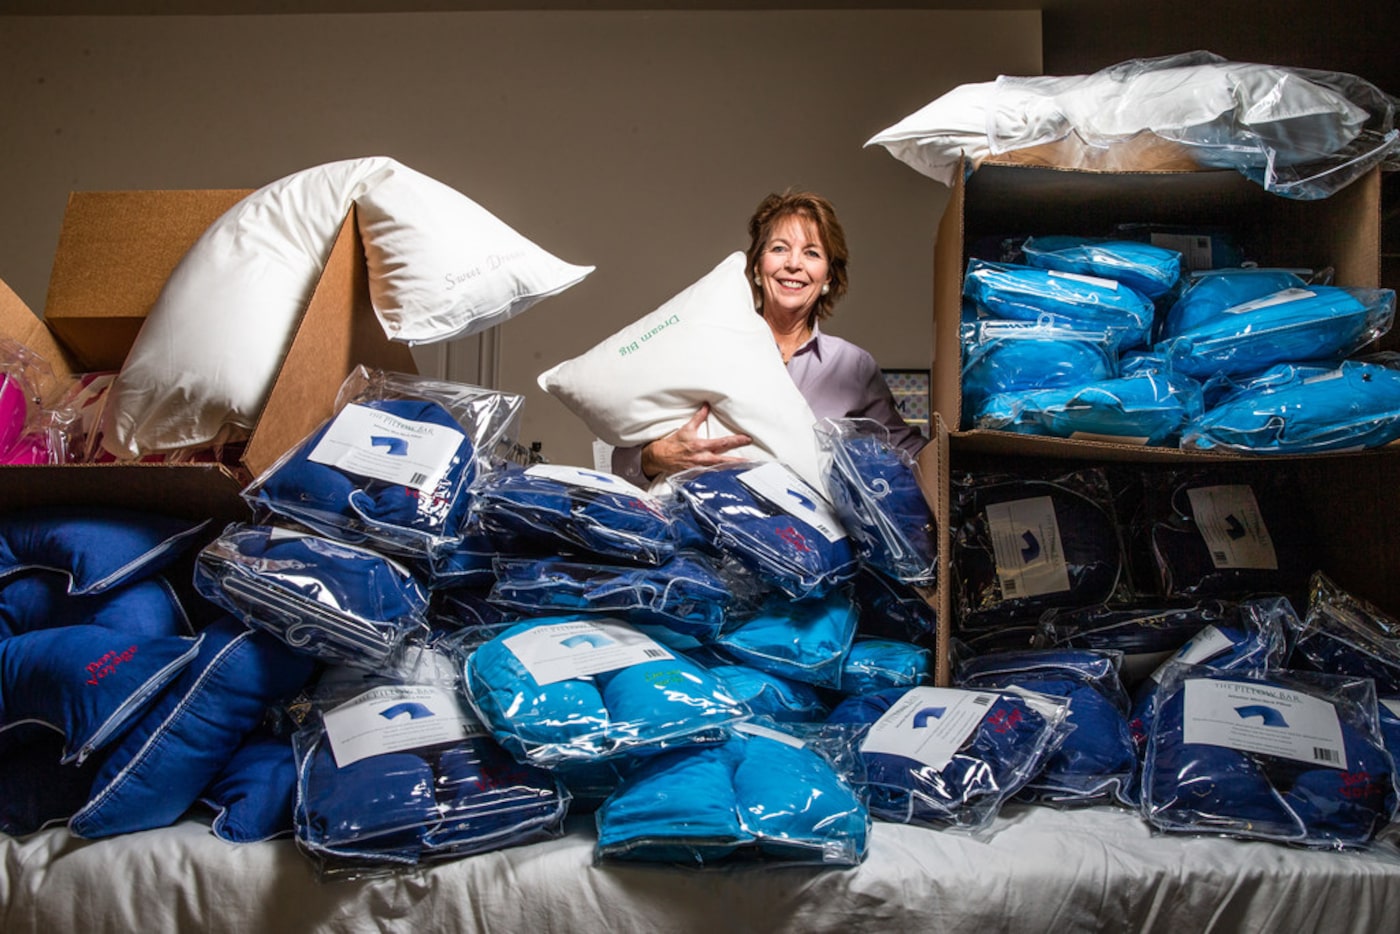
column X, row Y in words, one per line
column 1039, row 870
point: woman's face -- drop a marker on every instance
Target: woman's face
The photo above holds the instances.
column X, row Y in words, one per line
column 792, row 268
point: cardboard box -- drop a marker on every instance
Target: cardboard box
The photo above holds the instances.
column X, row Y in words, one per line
column 115, row 251
column 999, row 200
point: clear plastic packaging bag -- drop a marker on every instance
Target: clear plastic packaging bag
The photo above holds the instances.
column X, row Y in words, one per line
column 1024, row 293
column 1021, row 356
column 549, row 508
column 558, row 689
column 1149, row 408
column 1023, row 545
column 804, row 640
column 1097, row 761
column 1292, row 409
column 1145, row 631
column 1212, row 293
column 769, row 695
column 390, row 468
column 950, row 758
column 768, row 520
column 874, row 488
column 35, row 427
column 776, row 793
column 891, row 609
column 396, row 773
column 1295, row 325
column 874, row 665
column 1344, row 634
column 687, row 594
column 1286, row 756
column 335, row 602
column 1151, row 270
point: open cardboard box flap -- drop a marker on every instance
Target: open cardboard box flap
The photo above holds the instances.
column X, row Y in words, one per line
column 116, row 250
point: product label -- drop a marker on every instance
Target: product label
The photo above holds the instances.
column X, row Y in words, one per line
column 1096, row 281
column 561, row 651
column 782, row 488
column 1263, row 719
column 1282, row 297
column 1228, row 518
column 1393, row 705
column 1026, row 540
column 928, row 724
column 394, row 718
column 372, row 443
column 1201, row 647
column 1196, row 249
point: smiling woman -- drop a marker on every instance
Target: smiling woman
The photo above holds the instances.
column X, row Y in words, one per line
column 796, row 260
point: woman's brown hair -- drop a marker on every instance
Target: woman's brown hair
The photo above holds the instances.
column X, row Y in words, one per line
column 819, row 211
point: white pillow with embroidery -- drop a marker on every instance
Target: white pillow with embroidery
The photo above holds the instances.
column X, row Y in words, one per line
column 705, row 344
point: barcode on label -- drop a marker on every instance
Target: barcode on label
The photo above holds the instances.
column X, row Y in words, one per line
column 1326, row 754
column 655, row 653
column 417, row 479
column 1009, row 586
column 982, row 700
column 1218, row 556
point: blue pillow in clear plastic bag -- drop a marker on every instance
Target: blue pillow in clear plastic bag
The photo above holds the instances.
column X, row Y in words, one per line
column 874, row 665
column 772, row 523
column 1343, row 634
column 892, row 609
column 1211, row 295
column 988, row 746
column 1024, row 293
column 1318, row 322
column 548, row 508
column 1019, row 356
column 1145, row 408
column 334, row 602
column 1151, row 270
column 874, row 488
column 686, row 594
column 1303, row 410
column 1145, row 630
column 804, row 640
column 557, row 689
column 1097, row 760
column 769, row 695
column 1275, row 756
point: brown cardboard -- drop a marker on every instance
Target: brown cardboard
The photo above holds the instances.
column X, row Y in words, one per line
column 1342, row 231
column 106, row 276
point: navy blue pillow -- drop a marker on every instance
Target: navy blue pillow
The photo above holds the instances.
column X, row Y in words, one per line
column 94, row 548
column 252, row 796
column 147, row 607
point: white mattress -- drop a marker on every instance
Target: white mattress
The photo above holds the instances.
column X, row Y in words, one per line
column 1040, row 869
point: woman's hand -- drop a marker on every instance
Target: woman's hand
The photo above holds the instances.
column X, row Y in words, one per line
column 685, row 448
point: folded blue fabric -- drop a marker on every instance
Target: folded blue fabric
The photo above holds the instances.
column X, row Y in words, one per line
column 488, row 800
column 875, row 665
column 752, row 794
column 1211, row 295
column 1304, row 410
column 1319, row 322
column 465, row 563
column 551, row 509
column 357, row 507
column 253, row 795
column 891, row 609
column 989, row 595
column 187, row 737
column 686, row 594
column 148, row 607
column 1335, row 797
column 1343, row 634
column 648, row 697
column 874, row 487
column 768, row 695
column 94, row 548
column 1151, row 270
column 1020, row 356
column 1023, row 293
column 1098, row 759
column 1003, row 751
column 804, row 640
column 1147, row 408
column 785, row 534
column 333, row 602
column 87, row 682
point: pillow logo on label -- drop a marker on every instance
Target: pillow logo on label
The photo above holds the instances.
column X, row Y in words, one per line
column 1268, row 716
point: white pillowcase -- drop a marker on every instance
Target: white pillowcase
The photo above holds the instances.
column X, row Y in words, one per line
column 206, row 357
column 441, row 266
column 706, row 344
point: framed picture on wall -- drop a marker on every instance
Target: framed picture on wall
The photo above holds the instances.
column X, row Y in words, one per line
column 911, row 395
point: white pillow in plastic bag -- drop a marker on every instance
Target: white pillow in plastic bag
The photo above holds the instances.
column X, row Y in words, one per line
column 705, row 344
column 441, row 266
column 204, row 361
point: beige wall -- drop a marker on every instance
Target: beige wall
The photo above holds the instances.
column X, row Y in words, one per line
column 638, row 142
